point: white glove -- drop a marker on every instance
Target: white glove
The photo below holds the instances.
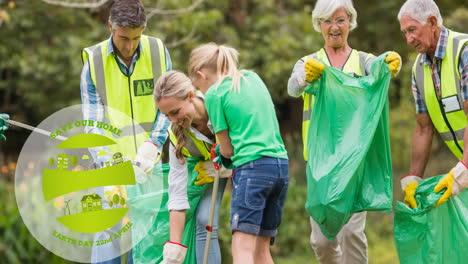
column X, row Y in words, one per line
column 453, row 183
column 211, row 171
column 173, row 253
column 146, row 156
column 224, row 173
column 460, row 178
column 407, row 179
column 301, row 79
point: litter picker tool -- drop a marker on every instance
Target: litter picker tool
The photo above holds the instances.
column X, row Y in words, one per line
column 214, row 196
column 33, row 129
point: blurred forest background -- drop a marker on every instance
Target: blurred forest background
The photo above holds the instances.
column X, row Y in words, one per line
column 40, row 65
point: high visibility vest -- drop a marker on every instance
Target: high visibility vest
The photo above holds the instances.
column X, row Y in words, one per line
column 356, row 64
column 194, row 147
column 446, row 113
column 132, row 95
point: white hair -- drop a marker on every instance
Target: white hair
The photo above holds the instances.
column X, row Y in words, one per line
column 420, row 10
column 324, row 9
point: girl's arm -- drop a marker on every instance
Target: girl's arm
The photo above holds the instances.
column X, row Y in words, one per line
column 215, row 110
column 226, row 147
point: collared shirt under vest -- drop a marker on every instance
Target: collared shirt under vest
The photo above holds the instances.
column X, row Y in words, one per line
column 194, row 147
column 444, row 101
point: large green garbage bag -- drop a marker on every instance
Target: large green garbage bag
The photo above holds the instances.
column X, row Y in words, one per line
column 428, row 234
column 349, row 166
column 142, row 200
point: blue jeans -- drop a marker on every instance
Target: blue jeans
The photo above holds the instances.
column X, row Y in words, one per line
column 259, row 191
column 202, row 216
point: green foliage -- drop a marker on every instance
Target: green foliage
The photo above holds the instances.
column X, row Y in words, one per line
column 379, row 232
column 41, row 57
column 284, row 31
column 16, row 243
column 458, row 21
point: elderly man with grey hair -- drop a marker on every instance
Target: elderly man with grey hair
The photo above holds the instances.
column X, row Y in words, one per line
column 440, row 89
column 335, row 19
column 119, row 73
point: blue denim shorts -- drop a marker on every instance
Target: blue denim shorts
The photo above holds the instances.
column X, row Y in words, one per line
column 258, row 194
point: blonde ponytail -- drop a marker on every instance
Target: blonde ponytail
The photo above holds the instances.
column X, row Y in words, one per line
column 179, row 132
column 174, row 84
column 220, row 59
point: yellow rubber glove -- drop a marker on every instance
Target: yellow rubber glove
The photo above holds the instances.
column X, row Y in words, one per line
column 410, row 190
column 204, row 172
column 445, row 183
column 394, row 62
column 409, row 183
column 454, row 182
column 313, row 69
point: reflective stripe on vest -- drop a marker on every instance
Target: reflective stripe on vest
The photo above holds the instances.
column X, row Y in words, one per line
column 131, row 95
column 355, row 63
column 194, row 147
column 446, row 113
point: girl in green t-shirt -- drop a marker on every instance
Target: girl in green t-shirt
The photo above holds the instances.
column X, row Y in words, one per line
column 244, row 120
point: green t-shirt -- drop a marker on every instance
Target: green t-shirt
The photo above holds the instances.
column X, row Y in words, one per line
column 249, row 116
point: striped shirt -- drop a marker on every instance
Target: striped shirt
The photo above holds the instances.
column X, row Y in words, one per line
column 435, row 71
column 93, row 108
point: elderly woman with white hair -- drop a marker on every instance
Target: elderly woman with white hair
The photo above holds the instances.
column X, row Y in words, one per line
column 334, row 19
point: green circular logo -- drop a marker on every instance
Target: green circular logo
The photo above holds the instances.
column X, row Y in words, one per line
column 77, row 189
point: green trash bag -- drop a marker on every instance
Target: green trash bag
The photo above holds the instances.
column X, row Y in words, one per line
column 142, row 201
column 349, row 166
column 428, row 234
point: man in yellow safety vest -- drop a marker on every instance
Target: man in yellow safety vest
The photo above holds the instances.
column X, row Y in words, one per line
column 440, row 88
column 119, row 73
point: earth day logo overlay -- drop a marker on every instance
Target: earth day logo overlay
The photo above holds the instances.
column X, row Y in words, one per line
column 77, row 189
